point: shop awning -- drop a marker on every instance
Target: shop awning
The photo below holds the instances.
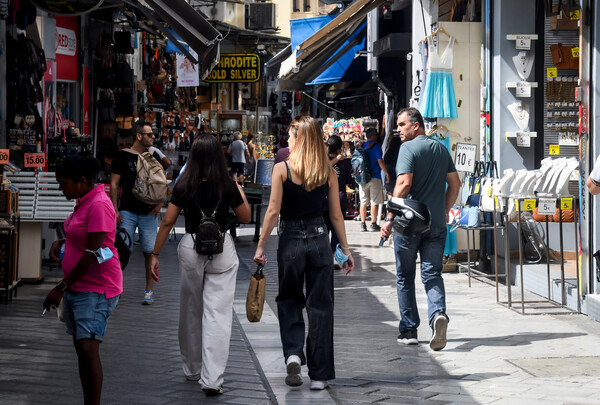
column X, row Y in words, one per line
column 194, row 31
column 339, row 38
column 274, row 64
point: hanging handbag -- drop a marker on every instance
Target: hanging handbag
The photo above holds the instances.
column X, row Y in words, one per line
column 470, row 217
column 255, row 300
column 561, row 21
column 562, row 57
column 490, row 189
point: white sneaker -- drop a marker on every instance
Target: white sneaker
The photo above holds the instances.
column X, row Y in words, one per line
column 293, row 378
column 440, row 326
column 318, row 385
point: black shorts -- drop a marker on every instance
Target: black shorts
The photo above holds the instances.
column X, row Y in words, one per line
column 237, row 167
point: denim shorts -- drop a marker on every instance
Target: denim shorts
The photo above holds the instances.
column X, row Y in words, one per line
column 147, row 226
column 86, row 314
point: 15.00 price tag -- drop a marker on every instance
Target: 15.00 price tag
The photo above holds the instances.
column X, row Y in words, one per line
column 464, row 160
column 547, row 206
column 35, row 159
column 4, row 153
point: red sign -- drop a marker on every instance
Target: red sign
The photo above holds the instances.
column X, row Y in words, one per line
column 67, row 45
column 4, row 156
column 35, row 159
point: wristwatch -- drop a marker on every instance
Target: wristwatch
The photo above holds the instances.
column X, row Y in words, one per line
column 62, row 286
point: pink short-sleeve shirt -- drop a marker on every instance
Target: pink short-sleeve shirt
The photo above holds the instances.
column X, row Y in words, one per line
column 94, row 212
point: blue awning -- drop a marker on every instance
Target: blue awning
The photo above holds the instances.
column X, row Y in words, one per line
column 303, row 28
column 324, row 48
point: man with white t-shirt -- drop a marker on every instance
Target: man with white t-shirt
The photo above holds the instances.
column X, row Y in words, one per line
column 238, row 151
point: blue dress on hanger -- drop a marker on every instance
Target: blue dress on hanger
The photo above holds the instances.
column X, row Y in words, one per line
column 439, row 100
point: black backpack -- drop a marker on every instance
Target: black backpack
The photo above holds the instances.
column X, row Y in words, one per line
column 208, row 238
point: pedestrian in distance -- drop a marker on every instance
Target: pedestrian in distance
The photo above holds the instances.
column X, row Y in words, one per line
column 131, row 212
column 239, row 153
column 207, row 282
column 298, row 186
column 372, row 192
column 92, row 277
column 424, row 168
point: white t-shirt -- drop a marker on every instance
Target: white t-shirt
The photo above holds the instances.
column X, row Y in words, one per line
column 595, row 174
column 237, row 150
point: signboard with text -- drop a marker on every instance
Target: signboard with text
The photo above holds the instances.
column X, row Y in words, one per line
column 236, row 68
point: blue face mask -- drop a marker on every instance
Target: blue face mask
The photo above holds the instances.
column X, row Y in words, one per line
column 340, row 257
column 102, row 254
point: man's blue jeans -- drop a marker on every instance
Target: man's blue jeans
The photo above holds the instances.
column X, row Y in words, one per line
column 430, row 246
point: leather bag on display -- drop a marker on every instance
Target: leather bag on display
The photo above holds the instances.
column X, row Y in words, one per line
column 562, row 21
column 562, row 57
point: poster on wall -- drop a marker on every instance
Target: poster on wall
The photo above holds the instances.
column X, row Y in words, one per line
column 187, row 72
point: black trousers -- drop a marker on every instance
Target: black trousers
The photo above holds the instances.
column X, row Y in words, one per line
column 304, row 254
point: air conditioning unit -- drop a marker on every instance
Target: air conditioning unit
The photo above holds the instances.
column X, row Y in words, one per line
column 230, row 12
column 262, row 16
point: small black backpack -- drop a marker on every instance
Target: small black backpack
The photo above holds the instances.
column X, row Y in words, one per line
column 208, row 238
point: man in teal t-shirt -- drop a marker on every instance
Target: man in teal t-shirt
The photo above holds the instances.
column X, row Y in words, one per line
column 424, row 167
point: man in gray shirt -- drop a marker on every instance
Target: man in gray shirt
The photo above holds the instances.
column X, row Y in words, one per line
column 424, row 167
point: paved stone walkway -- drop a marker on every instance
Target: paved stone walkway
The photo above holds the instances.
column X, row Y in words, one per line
column 494, row 355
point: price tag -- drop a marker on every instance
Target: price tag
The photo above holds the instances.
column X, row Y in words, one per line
column 523, row 43
column 65, row 124
column 464, row 159
column 4, row 153
column 575, row 52
column 574, row 15
column 489, row 191
column 523, row 89
column 496, row 202
column 566, row 203
column 30, row 119
column 35, row 159
column 477, row 187
column 529, row 204
column 554, row 149
column 547, row 206
column 523, row 139
column 551, row 73
column 517, row 208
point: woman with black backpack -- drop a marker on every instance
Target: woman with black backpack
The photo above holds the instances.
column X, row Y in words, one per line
column 207, row 280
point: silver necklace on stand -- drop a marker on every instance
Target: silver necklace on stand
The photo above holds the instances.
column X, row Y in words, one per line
column 523, row 63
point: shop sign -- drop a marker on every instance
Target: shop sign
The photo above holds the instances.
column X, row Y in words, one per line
column 66, row 41
column 236, row 68
column 67, row 58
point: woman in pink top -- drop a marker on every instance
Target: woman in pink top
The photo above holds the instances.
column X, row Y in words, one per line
column 93, row 280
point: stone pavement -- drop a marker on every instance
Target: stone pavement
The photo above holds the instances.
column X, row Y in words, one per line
column 493, row 355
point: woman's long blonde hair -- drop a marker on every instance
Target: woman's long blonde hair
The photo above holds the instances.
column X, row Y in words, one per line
column 309, row 158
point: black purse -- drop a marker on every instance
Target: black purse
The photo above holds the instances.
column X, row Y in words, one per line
column 122, row 243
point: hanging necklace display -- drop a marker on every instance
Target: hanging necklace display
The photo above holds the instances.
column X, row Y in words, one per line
column 520, row 113
column 523, row 63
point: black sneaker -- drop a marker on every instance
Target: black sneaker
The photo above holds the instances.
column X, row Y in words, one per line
column 363, row 227
column 374, row 227
column 440, row 326
column 211, row 392
column 408, row 337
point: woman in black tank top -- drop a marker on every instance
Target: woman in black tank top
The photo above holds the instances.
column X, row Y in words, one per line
column 297, row 189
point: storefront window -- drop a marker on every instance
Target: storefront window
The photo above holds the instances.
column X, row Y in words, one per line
column 66, row 102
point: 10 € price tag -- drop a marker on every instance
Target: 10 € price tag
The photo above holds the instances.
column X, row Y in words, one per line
column 529, row 204
column 464, row 160
column 4, row 154
column 546, row 206
column 35, row 159
column 566, row 203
